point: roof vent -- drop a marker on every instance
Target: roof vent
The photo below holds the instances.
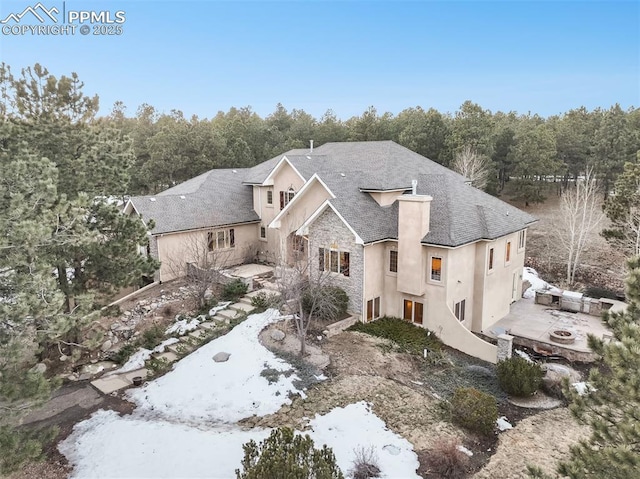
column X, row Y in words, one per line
column 308, row 157
column 343, row 175
column 234, row 171
column 152, row 199
column 182, row 197
column 414, row 186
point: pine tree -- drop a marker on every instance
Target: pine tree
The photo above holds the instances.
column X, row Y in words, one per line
column 286, row 455
column 611, row 406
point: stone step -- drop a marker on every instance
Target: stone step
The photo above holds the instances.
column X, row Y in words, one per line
column 267, row 291
column 207, row 326
column 110, row 384
column 246, row 300
column 242, row 307
column 226, row 314
column 198, row 334
column 181, row 347
column 168, row 356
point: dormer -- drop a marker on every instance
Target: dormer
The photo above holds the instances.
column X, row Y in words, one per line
column 385, row 197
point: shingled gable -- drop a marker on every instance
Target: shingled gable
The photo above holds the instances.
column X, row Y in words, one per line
column 215, row 198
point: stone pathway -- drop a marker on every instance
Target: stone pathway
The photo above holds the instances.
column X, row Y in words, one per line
column 115, row 381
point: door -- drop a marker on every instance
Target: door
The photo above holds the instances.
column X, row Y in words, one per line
column 408, row 310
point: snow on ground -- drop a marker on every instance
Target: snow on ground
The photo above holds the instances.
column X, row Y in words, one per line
column 137, row 359
column 200, row 389
column 355, row 426
column 183, row 425
column 531, row 275
column 110, row 446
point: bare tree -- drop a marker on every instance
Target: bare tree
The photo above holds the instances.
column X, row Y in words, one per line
column 200, row 265
column 308, row 294
column 580, row 215
column 472, row 165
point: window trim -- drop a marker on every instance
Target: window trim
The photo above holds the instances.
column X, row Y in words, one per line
column 326, row 261
column 373, row 307
column 388, row 262
column 431, row 278
column 228, row 239
column 262, row 229
column 491, row 260
column 270, row 197
column 522, row 240
column 460, row 310
column 286, row 196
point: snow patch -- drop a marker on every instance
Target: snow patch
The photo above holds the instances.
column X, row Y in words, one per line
column 213, row 311
column 523, row 355
column 183, row 326
column 583, row 388
column 531, row 275
column 503, row 424
column 464, row 450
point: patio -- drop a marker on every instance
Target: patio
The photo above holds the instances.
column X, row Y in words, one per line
column 531, row 325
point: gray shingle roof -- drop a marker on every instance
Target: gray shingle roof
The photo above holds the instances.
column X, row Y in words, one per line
column 460, row 214
column 215, row 198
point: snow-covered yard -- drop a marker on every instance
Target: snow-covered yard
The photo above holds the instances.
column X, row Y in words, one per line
column 185, row 422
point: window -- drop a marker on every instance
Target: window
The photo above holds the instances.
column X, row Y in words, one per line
column 263, row 232
column 221, row 239
column 436, row 268
column 490, row 259
column 334, row 261
column 297, row 243
column 286, row 197
column 373, row 308
column 459, row 309
column 522, row 236
column 507, row 254
column 269, row 197
column 413, row 311
column 393, row 261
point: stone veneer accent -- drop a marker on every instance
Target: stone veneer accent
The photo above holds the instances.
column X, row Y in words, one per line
column 328, row 230
column 505, row 346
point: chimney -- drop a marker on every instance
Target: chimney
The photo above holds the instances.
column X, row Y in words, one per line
column 414, row 187
column 311, row 143
column 414, row 212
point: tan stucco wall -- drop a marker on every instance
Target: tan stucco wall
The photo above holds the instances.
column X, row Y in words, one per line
column 177, row 249
column 413, row 225
column 493, row 291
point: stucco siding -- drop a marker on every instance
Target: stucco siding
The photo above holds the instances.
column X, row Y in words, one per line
column 175, row 250
column 328, row 231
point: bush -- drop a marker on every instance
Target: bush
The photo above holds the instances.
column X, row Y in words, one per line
column 284, row 454
column 410, row 338
column 474, row 410
column 234, row 290
column 261, row 302
column 124, row 353
column 151, row 337
column 519, row 377
column 446, row 460
column 336, row 297
column 365, row 464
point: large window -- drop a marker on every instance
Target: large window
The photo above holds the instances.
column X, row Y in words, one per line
column 393, row 261
column 221, row 239
column 269, row 197
column 286, row 197
column 459, row 309
column 413, row 311
column 490, row 259
column 334, row 261
column 373, row 308
column 436, row 268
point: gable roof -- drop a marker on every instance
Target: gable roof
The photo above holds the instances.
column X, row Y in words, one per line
column 215, row 198
column 460, row 213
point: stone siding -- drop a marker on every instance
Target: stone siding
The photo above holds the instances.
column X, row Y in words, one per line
column 329, row 231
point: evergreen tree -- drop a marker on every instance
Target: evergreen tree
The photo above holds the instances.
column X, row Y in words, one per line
column 611, row 404
column 286, row 455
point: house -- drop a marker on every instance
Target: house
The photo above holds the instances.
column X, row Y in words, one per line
column 402, row 235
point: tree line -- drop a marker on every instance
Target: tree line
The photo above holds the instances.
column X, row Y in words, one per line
column 524, row 148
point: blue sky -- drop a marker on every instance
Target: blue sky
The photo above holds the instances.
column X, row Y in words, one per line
column 205, row 56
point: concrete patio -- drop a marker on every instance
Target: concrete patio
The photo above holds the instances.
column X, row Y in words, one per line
column 531, row 325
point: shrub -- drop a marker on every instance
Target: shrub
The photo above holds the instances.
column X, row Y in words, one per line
column 284, row 454
column 365, row 464
column 446, row 459
column 208, row 304
column 234, row 290
column 410, row 338
column 519, row 377
column 474, row 410
column 151, row 337
column 261, row 302
column 331, row 295
column 124, row 353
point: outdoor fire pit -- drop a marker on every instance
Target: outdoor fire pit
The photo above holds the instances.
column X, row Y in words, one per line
column 562, row 336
